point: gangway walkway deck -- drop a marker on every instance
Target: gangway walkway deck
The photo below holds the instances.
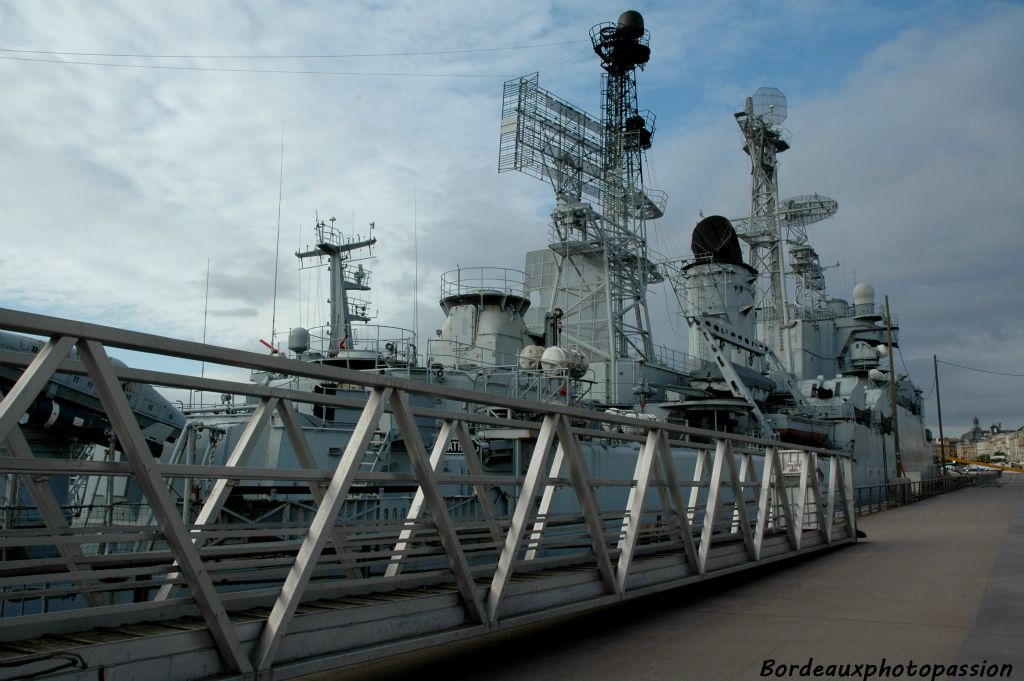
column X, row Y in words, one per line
column 937, row 582
column 172, row 597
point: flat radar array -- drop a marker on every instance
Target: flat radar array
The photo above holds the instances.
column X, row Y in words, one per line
column 590, row 161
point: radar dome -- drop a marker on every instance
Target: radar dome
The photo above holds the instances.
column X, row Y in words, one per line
column 863, row 294
column 631, row 23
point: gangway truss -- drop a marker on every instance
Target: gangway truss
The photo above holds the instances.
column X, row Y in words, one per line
column 477, row 549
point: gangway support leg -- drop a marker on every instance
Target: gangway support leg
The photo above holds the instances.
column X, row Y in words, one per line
column 788, row 514
column 816, row 495
column 635, row 507
column 846, row 499
column 222, row 488
column 665, row 466
column 521, row 516
column 739, row 501
column 416, row 505
column 698, row 482
column 438, row 507
column 144, row 466
column 547, row 499
column 800, row 501
column 472, row 458
column 588, row 504
column 830, row 496
column 317, row 489
column 319, row 530
column 714, row 502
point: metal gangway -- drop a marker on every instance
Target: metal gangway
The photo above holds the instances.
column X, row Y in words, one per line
column 205, row 598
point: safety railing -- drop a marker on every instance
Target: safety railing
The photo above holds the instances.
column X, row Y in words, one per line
column 483, row 280
column 456, row 541
column 874, row 498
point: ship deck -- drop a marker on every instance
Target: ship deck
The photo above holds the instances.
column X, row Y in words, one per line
column 937, row 582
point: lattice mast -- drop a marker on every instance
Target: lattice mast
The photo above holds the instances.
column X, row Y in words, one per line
column 603, row 269
column 623, row 48
column 796, row 214
column 760, row 122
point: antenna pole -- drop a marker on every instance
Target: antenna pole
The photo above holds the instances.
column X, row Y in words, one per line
column 938, row 405
column 206, row 310
column 892, row 393
column 277, row 247
column 416, row 271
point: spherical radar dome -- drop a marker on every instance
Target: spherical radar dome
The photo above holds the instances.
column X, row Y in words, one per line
column 863, row 294
column 632, row 22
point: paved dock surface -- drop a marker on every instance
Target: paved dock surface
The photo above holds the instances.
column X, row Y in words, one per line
column 937, row 582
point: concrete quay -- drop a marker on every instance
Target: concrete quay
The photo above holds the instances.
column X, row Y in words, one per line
column 939, row 582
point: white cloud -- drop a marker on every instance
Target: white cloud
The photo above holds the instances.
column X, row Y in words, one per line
column 118, row 184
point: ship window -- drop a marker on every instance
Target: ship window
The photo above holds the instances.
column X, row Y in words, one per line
column 334, row 451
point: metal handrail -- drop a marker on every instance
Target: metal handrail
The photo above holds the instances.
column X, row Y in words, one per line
column 694, row 495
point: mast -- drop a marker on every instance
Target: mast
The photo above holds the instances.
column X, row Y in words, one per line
column 330, row 243
column 760, row 122
column 596, row 270
column 623, row 48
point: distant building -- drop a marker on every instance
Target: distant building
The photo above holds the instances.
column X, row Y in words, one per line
column 998, row 442
column 974, row 434
column 953, row 448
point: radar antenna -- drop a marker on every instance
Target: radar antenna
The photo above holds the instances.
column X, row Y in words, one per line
column 773, row 224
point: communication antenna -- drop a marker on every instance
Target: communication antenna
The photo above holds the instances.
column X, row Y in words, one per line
column 277, row 243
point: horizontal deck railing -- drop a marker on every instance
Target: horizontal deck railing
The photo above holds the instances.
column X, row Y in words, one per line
column 257, row 568
column 874, row 498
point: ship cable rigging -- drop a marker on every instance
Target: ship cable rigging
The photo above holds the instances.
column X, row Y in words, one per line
column 351, row 55
column 292, row 72
column 11, row 55
column 983, row 371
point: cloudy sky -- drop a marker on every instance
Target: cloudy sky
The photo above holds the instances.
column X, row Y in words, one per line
column 119, row 180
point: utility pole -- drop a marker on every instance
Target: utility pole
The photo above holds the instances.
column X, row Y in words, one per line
column 938, row 405
column 892, row 393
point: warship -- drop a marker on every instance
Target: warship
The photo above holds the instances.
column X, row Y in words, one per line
column 771, row 354
column 574, row 327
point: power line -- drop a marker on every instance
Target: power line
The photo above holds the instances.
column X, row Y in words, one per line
column 564, row 62
column 983, row 371
column 245, row 70
column 351, row 55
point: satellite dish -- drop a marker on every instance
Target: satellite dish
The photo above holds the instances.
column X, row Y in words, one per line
column 770, row 105
column 800, row 211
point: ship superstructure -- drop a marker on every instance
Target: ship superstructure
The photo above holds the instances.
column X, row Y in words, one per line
column 525, row 359
column 592, row 279
column 805, row 368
